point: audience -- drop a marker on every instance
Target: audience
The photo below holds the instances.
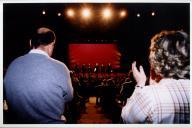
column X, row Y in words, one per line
column 35, row 95
column 127, row 88
column 166, row 99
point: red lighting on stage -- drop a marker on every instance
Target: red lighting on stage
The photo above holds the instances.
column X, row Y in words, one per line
column 94, row 53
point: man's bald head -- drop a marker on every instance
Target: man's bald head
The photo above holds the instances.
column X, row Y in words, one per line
column 43, row 36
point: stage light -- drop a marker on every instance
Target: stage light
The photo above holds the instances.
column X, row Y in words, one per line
column 43, row 12
column 70, row 13
column 153, row 14
column 107, row 13
column 86, row 13
column 59, row 14
column 123, row 13
column 138, row 15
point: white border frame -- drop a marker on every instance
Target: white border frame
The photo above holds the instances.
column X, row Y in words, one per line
column 87, row 125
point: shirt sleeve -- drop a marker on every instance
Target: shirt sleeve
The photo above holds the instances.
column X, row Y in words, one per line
column 138, row 108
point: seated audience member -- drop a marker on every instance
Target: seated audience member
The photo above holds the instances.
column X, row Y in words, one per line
column 127, row 88
column 38, row 86
column 166, row 99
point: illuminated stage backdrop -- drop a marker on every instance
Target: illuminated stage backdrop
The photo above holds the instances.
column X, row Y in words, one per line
column 94, row 53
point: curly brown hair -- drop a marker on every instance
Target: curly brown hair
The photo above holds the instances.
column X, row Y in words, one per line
column 169, row 54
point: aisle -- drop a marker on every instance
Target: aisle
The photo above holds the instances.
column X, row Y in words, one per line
column 93, row 114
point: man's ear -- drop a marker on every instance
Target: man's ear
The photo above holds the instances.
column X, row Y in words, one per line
column 30, row 45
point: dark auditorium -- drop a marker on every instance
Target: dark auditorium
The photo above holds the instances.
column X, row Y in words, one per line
column 96, row 63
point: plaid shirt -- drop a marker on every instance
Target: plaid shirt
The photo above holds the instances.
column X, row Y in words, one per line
column 167, row 102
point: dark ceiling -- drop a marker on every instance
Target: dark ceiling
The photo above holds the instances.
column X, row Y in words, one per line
column 132, row 34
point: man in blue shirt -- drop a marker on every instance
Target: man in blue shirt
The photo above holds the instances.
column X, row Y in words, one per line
column 38, row 86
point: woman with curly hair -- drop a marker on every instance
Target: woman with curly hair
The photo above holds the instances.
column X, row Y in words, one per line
column 166, row 99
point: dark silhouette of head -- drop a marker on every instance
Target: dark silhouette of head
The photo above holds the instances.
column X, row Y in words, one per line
column 44, row 39
column 43, row 36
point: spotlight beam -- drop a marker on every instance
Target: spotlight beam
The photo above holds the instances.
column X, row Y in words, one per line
column 86, row 13
column 123, row 13
column 70, row 13
column 107, row 13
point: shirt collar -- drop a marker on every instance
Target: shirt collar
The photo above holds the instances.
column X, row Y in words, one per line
column 38, row 51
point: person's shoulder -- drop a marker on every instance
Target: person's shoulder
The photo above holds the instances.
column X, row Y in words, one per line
column 27, row 57
column 15, row 64
column 59, row 63
column 145, row 88
column 154, row 89
column 171, row 81
column 17, row 60
column 175, row 84
column 145, row 91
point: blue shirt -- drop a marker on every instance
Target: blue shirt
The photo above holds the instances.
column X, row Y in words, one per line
column 37, row 88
